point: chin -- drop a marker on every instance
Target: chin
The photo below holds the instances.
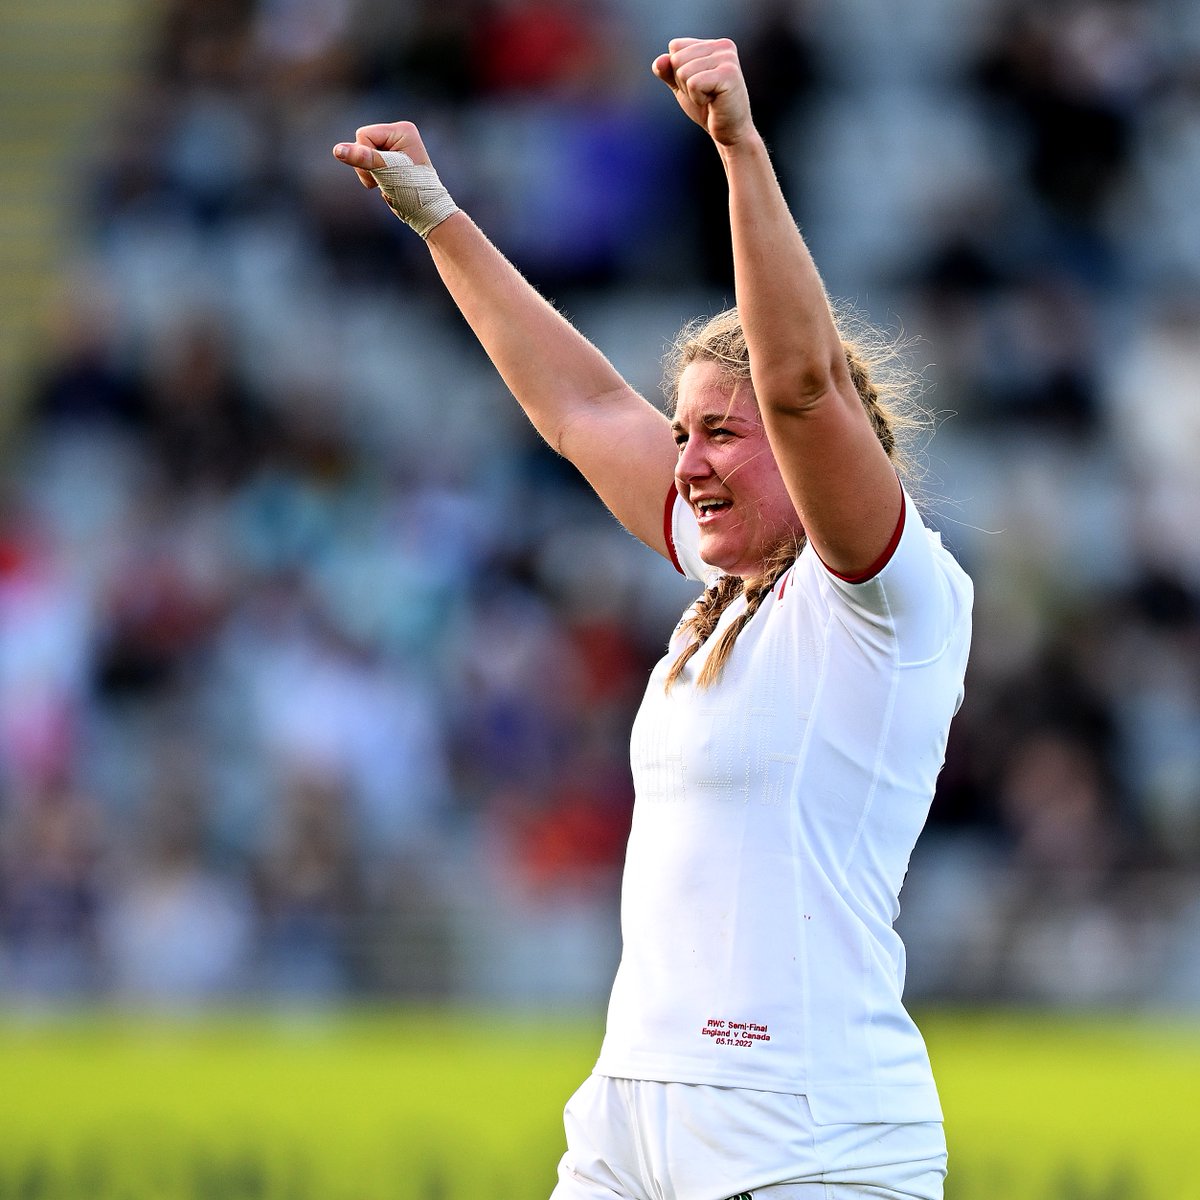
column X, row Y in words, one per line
column 728, row 563
column 715, row 557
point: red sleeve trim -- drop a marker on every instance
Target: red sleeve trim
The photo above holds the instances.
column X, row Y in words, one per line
column 668, row 533
column 885, row 558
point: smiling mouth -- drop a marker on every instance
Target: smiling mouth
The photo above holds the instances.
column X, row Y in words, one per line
column 710, row 510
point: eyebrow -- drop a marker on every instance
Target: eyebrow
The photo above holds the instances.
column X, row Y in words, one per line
column 712, row 420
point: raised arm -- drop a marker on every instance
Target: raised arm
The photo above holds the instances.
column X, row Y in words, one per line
column 837, row 473
column 573, row 395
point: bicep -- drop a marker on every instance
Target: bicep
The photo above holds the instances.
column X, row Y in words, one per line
column 624, row 448
column 839, row 476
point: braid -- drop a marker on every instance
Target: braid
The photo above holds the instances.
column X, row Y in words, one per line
column 868, row 393
column 716, row 599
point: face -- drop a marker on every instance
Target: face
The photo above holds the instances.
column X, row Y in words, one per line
column 727, row 472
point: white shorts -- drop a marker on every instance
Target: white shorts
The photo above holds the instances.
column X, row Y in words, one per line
column 630, row 1139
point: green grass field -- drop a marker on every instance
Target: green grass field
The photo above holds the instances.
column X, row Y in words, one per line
column 411, row 1105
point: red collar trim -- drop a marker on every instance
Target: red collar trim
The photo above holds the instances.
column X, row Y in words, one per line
column 668, row 532
column 885, row 558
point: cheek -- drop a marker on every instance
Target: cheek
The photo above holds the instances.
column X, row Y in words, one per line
column 777, row 504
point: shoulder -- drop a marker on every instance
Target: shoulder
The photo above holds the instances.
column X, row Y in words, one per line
column 919, row 600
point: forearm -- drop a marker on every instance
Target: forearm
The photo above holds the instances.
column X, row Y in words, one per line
column 554, row 372
column 795, row 348
column 836, row 471
column 575, row 398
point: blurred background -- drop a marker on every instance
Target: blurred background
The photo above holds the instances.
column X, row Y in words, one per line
column 317, row 669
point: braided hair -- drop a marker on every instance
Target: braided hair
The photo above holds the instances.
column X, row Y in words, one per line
column 885, row 388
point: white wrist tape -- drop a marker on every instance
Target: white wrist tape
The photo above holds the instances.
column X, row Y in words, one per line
column 415, row 193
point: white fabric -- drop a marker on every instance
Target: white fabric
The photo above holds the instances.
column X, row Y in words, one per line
column 638, row 1140
column 774, row 820
column 415, row 193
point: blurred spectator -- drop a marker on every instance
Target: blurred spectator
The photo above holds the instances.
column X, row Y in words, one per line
column 315, row 670
column 543, row 47
column 1158, row 706
column 1158, row 427
column 50, row 894
column 46, row 627
column 316, row 701
column 310, row 891
column 1163, row 228
column 85, row 381
column 516, row 675
column 431, row 56
column 176, row 932
column 205, row 431
column 162, row 605
column 203, row 42
column 1054, row 801
column 1072, row 76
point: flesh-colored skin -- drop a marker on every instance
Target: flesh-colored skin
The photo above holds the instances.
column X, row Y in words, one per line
column 837, row 473
column 571, row 393
column 724, row 457
column 831, row 464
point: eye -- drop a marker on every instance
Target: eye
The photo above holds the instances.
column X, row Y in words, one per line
column 681, row 440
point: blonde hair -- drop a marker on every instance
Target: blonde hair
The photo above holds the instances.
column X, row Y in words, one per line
column 888, row 390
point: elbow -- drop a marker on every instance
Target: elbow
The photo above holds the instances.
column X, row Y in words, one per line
column 799, row 388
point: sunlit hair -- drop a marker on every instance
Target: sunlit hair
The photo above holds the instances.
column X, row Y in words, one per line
column 888, row 390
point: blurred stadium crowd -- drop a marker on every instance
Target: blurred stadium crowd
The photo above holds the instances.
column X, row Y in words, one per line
column 317, row 669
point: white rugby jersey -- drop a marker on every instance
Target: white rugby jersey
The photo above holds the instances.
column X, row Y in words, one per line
column 775, row 815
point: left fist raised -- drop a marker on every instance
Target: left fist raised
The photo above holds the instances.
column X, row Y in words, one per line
column 707, row 80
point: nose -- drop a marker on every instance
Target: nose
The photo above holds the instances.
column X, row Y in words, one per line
column 692, row 463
